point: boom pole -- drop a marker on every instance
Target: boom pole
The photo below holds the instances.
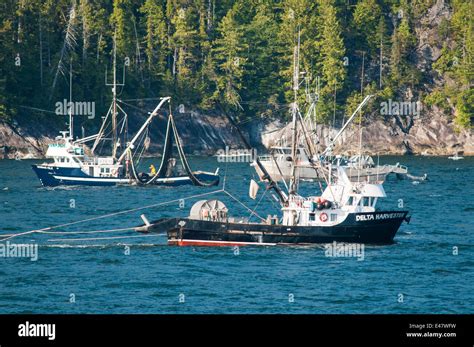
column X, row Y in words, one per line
column 331, row 144
column 143, row 127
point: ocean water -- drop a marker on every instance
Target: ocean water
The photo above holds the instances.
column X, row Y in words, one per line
column 429, row 269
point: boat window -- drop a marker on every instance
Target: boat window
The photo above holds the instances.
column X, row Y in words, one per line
column 350, row 201
column 365, row 201
column 107, row 170
column 333, row 217
column 312, row 217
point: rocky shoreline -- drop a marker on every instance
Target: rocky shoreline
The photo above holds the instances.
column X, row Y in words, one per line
column 424, row 135
column 202, row 134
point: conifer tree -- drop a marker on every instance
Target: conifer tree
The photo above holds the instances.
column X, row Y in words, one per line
column 156, row 30
column 122, row 27
column 229, row 55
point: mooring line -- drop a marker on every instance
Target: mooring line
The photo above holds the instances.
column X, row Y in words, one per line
column 85, row 232
column 103, row 238
column 248, row 208
column 108, row 215
column 47, row 230
column 258, row 203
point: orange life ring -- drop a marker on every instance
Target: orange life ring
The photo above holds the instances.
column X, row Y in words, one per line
column 323, row 217
column 114, row 172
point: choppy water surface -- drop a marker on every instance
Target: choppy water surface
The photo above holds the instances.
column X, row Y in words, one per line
column 131, row 273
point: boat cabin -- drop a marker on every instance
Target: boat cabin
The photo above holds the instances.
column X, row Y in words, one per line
column 67, row 154
column 333, row 206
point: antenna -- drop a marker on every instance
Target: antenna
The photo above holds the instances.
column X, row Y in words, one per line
column 294, row 139
column 114, row 85
column 296, row 67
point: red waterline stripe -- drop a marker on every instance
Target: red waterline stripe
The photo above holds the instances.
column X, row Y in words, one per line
column 210, row 243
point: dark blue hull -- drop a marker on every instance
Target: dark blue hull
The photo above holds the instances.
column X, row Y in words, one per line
column 51, row 176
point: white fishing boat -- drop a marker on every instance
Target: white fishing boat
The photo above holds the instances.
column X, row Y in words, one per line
column 278, row 165
column 279, row 161
column 75, row 163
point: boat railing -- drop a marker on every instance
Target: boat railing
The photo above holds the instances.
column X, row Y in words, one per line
column 90, row 161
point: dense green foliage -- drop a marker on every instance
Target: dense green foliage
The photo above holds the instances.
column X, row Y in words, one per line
column 234, row 55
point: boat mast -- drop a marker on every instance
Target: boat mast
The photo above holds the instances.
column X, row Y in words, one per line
column 294, row 111
column 114, row 106
column 114, row 102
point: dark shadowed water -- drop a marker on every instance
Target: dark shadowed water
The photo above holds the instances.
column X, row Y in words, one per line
column 132, row 273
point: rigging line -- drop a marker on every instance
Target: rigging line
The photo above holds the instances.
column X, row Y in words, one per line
column 273, row 203
column 85, row 232
column 140, row 146
column 258, row 203
column 241, row 203
column 133, row 106
column 225, row 175
column 165, row 158
column 178, row 116
column 268, row 197
column 146, row 110
column 110, row 215
column 137, row 146
column 279, row 171
column 243, row 102
column 196, row 181
column 244, row 121
column 104, row 238
column 259, row 117
column 124, row 119
column 139, row 160
column 262, row 103
column 141, row 143
column 37, row 109
column 142, row 99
